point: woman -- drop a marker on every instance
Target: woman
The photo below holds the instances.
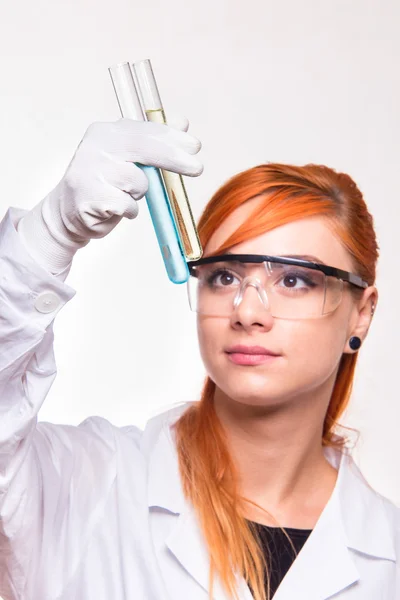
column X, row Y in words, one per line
column 214, row 499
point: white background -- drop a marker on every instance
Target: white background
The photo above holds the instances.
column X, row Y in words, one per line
column 260, row 80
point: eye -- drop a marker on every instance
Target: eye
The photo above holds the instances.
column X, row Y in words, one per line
column 291, row 281
column 296, row 281
column 221, row 278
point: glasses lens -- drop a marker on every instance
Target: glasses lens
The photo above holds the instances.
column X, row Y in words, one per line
column 292, row 292
column 212, row 287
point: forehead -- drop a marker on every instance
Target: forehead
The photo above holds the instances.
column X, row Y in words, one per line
column 311, row 236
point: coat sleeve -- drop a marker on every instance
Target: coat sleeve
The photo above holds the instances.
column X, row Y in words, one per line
column 42, row 466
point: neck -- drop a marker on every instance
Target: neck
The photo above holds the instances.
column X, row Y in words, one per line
column 279, row 456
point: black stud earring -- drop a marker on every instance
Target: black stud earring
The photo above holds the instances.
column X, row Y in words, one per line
column 354, row 343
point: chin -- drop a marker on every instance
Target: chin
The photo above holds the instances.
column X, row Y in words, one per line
column 249, row 398
column 251, row 390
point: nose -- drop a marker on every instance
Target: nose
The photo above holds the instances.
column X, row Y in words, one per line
column 251, row 307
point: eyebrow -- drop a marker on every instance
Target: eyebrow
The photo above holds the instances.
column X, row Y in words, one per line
column 308, row 257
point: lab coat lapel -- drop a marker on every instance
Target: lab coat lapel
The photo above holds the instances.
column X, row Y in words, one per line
column 354, row 519
column 324, row 566
column 185, row 541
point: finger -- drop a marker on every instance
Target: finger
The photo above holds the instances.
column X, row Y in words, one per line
column 127, row 177
column 129, row 130
column 171, row 158
column 178, row 122
column 110, row 210
column 129, row 208
column 186, row 141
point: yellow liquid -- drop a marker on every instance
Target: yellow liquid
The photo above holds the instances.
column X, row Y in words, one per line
column 179, row 202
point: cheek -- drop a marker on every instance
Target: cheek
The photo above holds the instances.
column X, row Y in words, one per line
column 212, row 335
column 314, row 348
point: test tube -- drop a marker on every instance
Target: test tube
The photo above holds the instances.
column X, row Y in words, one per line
column 156, row 196
column 178, row 198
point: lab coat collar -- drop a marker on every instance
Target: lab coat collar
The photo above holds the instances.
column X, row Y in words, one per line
column 353, row 519
column 164, row 484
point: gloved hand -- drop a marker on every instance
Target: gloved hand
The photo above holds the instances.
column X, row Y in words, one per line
column 101, row 186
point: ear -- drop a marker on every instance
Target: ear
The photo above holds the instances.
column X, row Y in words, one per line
column 362, row 315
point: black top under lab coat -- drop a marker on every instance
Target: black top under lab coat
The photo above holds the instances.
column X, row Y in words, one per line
column 278, row 551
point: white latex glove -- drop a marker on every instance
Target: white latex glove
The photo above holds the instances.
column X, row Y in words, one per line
column 101, row 186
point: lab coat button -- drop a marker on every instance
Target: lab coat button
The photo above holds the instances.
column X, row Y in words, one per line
column 47, row 302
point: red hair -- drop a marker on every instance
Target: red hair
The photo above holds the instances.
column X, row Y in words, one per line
column 208, row 474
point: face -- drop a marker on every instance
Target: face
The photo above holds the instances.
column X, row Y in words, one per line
column 309, row 350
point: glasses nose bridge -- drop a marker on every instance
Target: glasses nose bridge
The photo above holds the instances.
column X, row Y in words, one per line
column 254, row 282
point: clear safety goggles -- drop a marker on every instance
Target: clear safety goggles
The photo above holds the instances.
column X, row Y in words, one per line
column 289, row 288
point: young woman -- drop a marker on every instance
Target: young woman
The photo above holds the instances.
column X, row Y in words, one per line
column 248, row 493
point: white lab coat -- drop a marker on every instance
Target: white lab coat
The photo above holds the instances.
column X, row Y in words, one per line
column 97, row 512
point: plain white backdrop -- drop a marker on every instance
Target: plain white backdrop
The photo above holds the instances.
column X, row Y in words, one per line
column 260, row 80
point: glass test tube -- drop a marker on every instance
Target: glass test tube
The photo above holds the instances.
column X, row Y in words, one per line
column 156, row 196
column 154, row 110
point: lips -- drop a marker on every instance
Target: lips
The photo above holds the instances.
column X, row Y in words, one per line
column 251, row 356
column 257, row 350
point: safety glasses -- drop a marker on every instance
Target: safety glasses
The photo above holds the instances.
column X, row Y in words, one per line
column 290, row 288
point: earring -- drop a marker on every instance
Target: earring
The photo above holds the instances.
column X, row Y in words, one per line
column 354, row 343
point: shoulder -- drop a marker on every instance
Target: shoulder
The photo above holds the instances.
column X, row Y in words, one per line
column 371, row 520
column 104, row 430
column 159, row 424
column 110, row 434
column 101, row 433
column 392, row 512
column 95, row 436
column 391, row 517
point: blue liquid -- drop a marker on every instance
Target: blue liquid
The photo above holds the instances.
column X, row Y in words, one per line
column 165, row 227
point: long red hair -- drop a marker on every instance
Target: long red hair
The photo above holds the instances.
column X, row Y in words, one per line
column 208, row 474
